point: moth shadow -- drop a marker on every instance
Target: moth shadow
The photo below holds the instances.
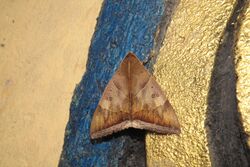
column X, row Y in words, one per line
column 131, row 134
column 133, row 147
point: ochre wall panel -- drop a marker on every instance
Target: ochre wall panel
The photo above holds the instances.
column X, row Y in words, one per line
column 183, row 70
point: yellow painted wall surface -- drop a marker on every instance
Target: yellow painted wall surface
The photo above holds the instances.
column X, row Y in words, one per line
column 43, row 51
column 184, row 70
column 243, row 71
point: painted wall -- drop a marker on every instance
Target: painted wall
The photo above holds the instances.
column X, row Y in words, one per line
column 43, row 50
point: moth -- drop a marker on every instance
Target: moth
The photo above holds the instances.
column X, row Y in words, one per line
column 133, row 99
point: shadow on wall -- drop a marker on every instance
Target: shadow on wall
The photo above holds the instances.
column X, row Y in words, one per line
column 226, row 137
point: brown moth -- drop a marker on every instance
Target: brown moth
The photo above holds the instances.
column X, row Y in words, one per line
column 133, row 99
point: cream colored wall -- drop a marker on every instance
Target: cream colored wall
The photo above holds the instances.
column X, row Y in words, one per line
column 43, row 51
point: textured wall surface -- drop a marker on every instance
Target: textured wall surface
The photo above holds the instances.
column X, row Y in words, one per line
column 243, row 72
column 43, row 52
column 197, row 76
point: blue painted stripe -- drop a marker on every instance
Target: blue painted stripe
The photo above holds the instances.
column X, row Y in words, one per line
column 123, row 26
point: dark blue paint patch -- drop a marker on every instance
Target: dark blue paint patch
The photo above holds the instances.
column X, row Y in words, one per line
column 123, row 26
